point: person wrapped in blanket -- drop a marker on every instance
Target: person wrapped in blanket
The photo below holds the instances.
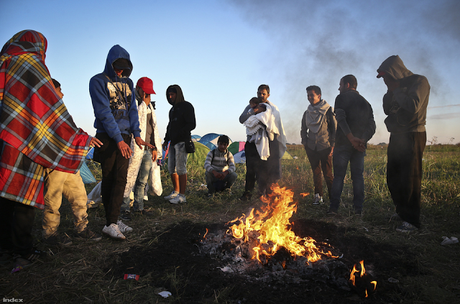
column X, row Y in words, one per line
column 36, row 132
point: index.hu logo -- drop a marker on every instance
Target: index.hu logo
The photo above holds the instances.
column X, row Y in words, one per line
column 12, row 300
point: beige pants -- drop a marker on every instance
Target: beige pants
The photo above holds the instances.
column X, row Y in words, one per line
column 70, row 185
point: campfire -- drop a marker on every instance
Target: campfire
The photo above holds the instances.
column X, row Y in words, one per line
column 261, row 246
column 268, row 230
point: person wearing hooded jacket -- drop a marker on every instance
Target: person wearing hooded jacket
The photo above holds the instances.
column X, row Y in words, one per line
column 181, row 123
column 116, row 118
column 318, row 129
column 405, row 104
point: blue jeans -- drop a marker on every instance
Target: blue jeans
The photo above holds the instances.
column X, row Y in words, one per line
column 343, row 155
column 141, row 181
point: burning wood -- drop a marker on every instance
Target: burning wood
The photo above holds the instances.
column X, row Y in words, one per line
column 269, row 230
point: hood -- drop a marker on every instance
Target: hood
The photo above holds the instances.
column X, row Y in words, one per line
column 116, row 52
column 179, row 94
column 394, row 67
column 27, row 41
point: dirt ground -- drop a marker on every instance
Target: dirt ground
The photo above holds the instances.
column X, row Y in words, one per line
column 172, row 260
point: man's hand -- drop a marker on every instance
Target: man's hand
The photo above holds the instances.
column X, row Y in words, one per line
column 154, row 155
column 220, row 175
column 165, row 145
column 125, row 149
column 357, row 143
column 95, row 142
column 332, row 152
column 141, row 143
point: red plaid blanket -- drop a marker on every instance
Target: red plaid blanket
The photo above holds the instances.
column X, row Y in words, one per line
column 33, row 121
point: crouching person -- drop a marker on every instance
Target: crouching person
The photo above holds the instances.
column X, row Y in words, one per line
column 220, row 167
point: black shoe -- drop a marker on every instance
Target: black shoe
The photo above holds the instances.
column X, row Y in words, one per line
column 125, row 215
column 88, row 235
column 57, row 239
column 245, row 197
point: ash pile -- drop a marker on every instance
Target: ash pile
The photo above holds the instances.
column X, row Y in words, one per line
column 237, row 259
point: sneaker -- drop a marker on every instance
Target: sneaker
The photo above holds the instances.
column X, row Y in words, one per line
column 171, row 196
column 87, row 234
column 406, row 227
column 57, row 239
column 123, row 227
column 125, row 215
column 113, row 231
column 180, row 198
column 318, row 199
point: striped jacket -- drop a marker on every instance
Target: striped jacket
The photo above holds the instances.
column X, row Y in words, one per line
column 219, row 161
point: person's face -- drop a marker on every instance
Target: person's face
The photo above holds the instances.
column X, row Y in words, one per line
column 390, row 82
column 263, row 95
column 118, row 72
column 222, row 146
column 252, row 105
column 343, row 87
column 172, row 98
column 59, row 92
column 313, row 98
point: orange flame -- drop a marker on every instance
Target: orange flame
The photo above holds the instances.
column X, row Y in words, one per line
column 361, row 274
column 271, row 227
column 304, row 194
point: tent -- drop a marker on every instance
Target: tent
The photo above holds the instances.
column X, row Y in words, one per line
column 196, row 160
column 210, row 140
column 236, row 146
column 86, row 174
column 196, row 138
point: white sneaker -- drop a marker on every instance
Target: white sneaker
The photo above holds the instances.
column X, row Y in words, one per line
column 318, row 199
column 113, row 231
column 172, row 195
column 123, row 227
column 178, row 199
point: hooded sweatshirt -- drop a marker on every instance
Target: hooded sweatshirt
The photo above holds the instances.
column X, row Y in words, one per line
column 113, row 99
column 181, row 118
column 405, row 106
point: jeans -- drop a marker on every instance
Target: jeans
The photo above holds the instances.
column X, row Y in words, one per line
column 404, row 174
column 227, row 182
column 114, row 170
column 177, row 162
column 343, row 155
column 321, row 160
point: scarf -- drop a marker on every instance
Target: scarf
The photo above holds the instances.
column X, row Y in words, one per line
column 316, row 115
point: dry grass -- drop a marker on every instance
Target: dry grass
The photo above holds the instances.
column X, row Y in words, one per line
column 82, row 273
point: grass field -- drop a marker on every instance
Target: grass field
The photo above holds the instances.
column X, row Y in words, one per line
column 422, row 271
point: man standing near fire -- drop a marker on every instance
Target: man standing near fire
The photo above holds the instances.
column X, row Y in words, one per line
column 268, row 171
column 356, row 126
column 405, row 103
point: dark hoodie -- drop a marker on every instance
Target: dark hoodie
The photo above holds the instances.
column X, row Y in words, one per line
column 405, row 106
column 181, row 118
column 113, row 100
